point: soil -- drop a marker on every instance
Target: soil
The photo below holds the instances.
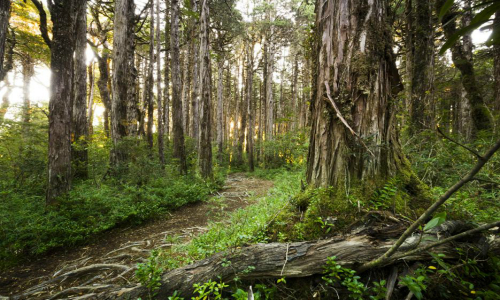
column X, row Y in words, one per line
column 126, row 247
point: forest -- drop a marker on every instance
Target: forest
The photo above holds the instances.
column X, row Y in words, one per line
column 250, row 149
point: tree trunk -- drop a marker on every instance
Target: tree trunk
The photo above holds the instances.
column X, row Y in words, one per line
column 205, row 144
column 121, row 74
column 150, row 78
column 166, row 91
column 28, row 65
column 79, row 155
column 4, row 27
column 243, row 111
column 287, row 260
column 90, row 118
column 5, row 99
column 269, row 88
column 481, row 116
column 161, row 146
column 195, row 91
column 496, row 53
column 64, row 17
column 186, row 83
column 133, row 89
column 295, row 94
column 102, row 84
column 360, row 79
column 249, row 102
column 220, row 109
column 178, row 130
column 422, row 48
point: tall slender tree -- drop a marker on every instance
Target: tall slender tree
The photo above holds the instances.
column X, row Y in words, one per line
column 121, row 69
column 161, row 146
column 79, row 155
column 205, row 141
column 178, row 126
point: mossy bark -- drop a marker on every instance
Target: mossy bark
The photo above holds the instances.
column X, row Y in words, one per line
column 354, row 64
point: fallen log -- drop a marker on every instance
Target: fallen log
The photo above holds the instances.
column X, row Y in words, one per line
column 300, row 259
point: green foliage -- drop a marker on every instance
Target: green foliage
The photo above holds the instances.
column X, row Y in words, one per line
column 141, row 191
column 287, row 150
column 335, row 273
column 209, row 290
column 416, row 283
column 149, row 274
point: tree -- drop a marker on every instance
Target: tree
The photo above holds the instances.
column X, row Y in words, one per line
column 4, row 25
column 353, row 134
column 178, row 126
column 161, row 146
column 205, row 142
column 79, row 155
column 481, row 116
column 121, row 66
column 64, row 15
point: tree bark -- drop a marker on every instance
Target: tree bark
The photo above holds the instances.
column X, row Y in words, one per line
column 161, row 146
column 359, row 79
column 178, row 130
column 481, row 116
column 269, row 87
column 102, row 84
column 496, row 53
column 90, row 118
column 133, row 89
column 64, row 17
column 150, row 79
column 4, row 27
column 249, row 102
column 205, row 142
column 195, row 91
column 121, row 67
column 286, row 260
column 79, row 155
column 422, row 48
column 220, row 109
column 166, row 91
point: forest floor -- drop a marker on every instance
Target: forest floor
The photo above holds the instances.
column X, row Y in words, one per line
column 112, row 257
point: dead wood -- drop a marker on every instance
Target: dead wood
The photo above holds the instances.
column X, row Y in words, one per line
column 276, row 260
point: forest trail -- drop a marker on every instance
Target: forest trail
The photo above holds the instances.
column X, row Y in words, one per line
column 116, row 253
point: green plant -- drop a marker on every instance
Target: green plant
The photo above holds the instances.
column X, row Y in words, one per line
column 208, row 290
column 175, row 296
column 416, row 283
column 149, row 274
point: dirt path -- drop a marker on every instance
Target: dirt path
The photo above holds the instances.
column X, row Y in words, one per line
column 119, row 250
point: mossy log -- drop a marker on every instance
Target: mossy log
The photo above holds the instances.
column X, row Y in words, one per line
column 300, row 259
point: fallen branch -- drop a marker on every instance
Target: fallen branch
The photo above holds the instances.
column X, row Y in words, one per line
column 482, row 160
column 302, row 259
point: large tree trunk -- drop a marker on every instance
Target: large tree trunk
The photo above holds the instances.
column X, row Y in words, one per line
column 90, row 115
column 243, row 113
column 359, row 78
column 481, row 116
column 4, row 26
column 295, row 260
column 62, row 48
column 205, row 142
column 178, row 130
column 121, row 74
column 5, row 99
column 79, row 155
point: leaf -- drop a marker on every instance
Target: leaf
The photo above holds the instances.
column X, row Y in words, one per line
column 481, row 18
column 445, row 8
column 438, row 220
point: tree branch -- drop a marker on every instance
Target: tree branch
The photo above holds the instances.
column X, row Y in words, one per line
column 428, row 213
column 461, row 145
column 43, row 22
